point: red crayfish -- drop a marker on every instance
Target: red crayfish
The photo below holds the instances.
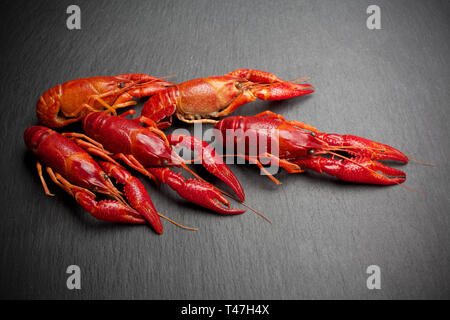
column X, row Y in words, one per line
column 199, row 99
column 293, row 145
column 70, row 102
column 147, row 150
column 75, row 171
column 140, row 143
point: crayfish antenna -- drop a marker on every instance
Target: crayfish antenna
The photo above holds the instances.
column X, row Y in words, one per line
column 244, row 204
column 300, row 79
column 249, row 207
column 177, row 224
column 127, row 113
column 350, row 148
column 411, row 189
column 428, row 164
column 185, row 167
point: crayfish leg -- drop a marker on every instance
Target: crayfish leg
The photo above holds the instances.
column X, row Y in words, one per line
column 41, row 176
column 66, row 185
column 290, row 167
column 243, row 98
column 132, row 162
column 91, row 146
column 82, row 136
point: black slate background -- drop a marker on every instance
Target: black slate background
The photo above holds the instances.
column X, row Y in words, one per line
column 389, row 85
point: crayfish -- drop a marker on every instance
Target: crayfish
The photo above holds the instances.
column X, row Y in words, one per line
column 141, row 145
column 199, row 99
column 294, row 145
column 71, row 101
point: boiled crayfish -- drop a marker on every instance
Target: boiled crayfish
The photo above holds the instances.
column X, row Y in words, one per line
column 70, row 102
column 200, row 99
column 293, row 145
column 75, row 171
column 147, row 150
column 140, row 143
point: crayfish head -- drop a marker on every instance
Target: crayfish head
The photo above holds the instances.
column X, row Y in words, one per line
column 299, row 143
column 150, row 150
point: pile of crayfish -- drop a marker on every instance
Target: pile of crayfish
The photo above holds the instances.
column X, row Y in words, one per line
column 86, row 164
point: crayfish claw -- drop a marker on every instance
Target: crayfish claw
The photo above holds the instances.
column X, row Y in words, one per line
column 199, row 192
column 363, row 147
column 108, row 210
column 210, row 160
column 386, row 174
column 360, row 170
column 136, row 194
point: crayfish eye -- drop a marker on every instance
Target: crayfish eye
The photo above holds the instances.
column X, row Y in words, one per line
column 311, row 152
column 121, row 84
column 313, row 134
column 238, row 85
